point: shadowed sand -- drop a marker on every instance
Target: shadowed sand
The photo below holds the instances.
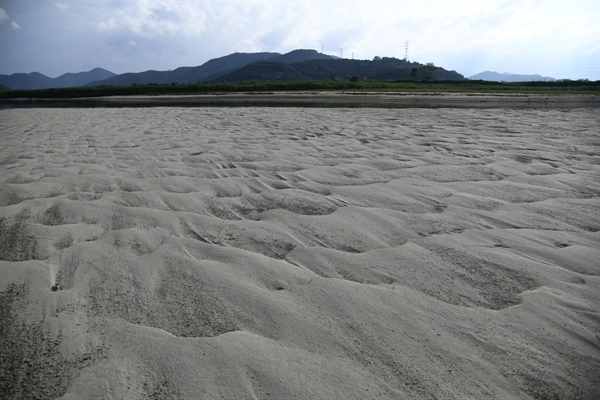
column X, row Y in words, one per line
column 256, row 253
column 324, row 99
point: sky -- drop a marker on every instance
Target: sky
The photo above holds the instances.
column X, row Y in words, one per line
column 560, row 39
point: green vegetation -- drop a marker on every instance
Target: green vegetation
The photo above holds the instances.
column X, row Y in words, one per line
column 381, row 68
column 352, row 85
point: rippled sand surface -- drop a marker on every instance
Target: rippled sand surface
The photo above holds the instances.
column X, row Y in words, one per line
column 256, row 253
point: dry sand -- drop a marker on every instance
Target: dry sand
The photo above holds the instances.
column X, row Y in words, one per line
column 281, row 253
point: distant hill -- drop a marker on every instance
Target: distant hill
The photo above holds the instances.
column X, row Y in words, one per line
column 35, row 80
column 205, row 72
column 297, row 65
column 329, row 68
column 211, row 70
column 508, row 77
column 4, row 87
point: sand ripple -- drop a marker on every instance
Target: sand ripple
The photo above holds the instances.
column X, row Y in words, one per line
column 299, row 253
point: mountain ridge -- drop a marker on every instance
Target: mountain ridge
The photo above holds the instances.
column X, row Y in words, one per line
column 386, row 68
column 296, row 65
column 510, row 77
column 212, row 69
column 36, row 80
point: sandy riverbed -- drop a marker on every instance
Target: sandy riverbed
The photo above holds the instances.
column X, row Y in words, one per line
column 256, row 253
column 325, row 99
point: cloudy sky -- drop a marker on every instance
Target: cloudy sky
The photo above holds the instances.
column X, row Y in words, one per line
column 553, row 38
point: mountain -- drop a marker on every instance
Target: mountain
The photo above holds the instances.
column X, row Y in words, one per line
column 330, row 68
column 508, row 77
column 296, row 65
column 82, row 78
column 264, row 71
column 35, row 80
column 212, row 69
column 205, row 72
column 145, row 77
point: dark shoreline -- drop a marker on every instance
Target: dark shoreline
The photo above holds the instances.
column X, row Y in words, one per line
column 378, row 100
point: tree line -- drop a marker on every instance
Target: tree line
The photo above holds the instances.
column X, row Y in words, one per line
column 354, row 83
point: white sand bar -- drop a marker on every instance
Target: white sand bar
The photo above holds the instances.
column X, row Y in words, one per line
column 299, row 253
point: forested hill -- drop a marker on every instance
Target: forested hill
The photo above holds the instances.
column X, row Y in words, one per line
column 211, row 70
column 203, row 73
column 333, row 69
column 297, row 65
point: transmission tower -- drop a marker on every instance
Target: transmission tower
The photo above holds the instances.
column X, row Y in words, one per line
column 406, row 51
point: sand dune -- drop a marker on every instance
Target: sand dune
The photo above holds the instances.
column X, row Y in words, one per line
column 256, row 253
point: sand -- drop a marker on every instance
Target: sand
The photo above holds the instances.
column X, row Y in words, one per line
column 299, row 253
column 326, row 99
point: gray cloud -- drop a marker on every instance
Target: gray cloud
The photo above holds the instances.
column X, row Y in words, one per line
column 3, row 16
column 467, row 36
column 157, row 18
column 62, row 6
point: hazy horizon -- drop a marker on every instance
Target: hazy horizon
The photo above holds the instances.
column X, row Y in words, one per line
column 551, row 38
